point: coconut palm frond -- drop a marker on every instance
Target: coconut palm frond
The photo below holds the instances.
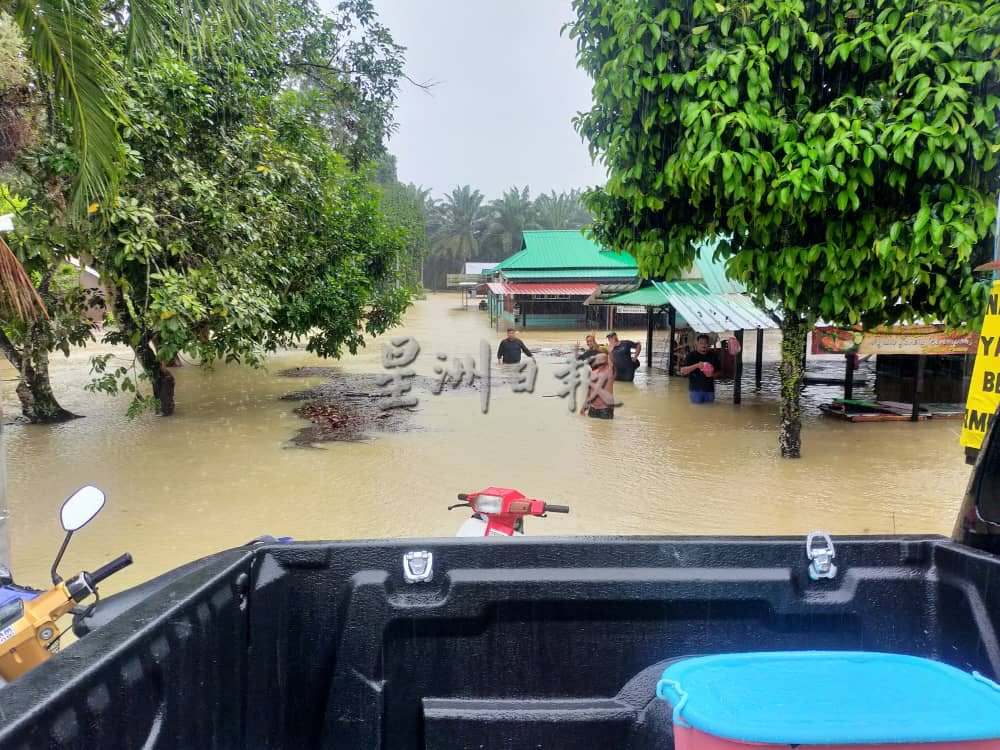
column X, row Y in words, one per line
column 147, row 22
column 85, row 85
column 17, row 294
column 155, row 23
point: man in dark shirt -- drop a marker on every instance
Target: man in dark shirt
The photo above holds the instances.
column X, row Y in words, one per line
column 625, row 360
column 700, row 367
column 509, row 351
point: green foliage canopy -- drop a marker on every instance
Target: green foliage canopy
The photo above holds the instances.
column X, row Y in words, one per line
column 848, row 148
column 239, row 227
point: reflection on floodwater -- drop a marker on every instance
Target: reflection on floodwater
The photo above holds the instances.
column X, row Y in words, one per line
column 225, row 469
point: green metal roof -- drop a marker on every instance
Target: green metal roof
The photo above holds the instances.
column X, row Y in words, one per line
column 705, row 310
column 701, row 308
column 713, row 272
column 648, row 296
column 571, row 273
column 563, row 249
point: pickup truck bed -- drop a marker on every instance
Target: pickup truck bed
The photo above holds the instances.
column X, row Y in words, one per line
column 521, row 643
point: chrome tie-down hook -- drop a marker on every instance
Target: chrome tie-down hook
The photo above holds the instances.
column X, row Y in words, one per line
column 819, row 550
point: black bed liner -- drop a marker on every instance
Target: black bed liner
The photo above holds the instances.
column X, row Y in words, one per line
column 523, row 643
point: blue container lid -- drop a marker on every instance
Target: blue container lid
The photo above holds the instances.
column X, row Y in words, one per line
column 831, row 697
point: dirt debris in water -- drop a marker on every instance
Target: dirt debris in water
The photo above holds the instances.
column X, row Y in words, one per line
column 311, row 372
column 348, row 407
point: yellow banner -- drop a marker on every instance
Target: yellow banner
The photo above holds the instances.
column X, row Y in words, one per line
column 984, row 390
column 917, row 340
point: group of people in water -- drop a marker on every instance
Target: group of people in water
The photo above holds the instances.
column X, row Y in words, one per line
column 617, row 360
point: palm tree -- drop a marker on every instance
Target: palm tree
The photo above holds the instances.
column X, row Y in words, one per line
column 62, row 44
column 432, row 214
column 18, row 297
column 509, row 217
column 432, row 220
column 561, row 211
column 461, row 222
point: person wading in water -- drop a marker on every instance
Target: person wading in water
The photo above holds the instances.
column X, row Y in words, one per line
column 509, row 351
column 601, row 401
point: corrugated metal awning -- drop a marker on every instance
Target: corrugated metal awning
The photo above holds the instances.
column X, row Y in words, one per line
column 647, row 296
column 496, row 287
column 713, row 313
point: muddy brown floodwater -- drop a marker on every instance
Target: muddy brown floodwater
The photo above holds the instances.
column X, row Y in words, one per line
column 227, row 467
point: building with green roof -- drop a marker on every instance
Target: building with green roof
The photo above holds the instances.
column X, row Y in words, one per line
column 547, row 281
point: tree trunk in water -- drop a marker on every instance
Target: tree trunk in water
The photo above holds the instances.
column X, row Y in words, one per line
column 34, row 390
column 38, row 402
column 161, row 378
column 175, row 360
column 792, row 369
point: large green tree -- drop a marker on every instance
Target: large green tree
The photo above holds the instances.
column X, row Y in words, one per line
column 347, row 63
column 35, row 140
column 404, row 208
column 239, row 227
column 61, row 89
column 45, row 247
column 68, row 48
column 846, row 148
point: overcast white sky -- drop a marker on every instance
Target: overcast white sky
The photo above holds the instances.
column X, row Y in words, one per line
column 508, row 87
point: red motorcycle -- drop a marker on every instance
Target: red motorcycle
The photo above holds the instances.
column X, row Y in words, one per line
column 500, row 512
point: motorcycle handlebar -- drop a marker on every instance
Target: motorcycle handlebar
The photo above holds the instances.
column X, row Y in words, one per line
column 110, row 569
column 556, row 508
column 463, row 496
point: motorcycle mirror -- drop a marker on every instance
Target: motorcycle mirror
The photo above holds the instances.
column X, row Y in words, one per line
column 81, row 507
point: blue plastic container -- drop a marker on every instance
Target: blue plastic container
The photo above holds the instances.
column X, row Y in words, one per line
column 828, row 698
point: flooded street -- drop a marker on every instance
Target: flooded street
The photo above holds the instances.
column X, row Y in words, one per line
column 224, row 469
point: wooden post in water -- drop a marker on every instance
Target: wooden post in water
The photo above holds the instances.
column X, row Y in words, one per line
column 919, row 386
column 759, row 354
column 672, row 319
column 849, row 377
column 649, row 337
column 738, row 376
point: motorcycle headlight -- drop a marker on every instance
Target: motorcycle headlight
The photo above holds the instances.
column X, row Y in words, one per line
column 489, row 503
